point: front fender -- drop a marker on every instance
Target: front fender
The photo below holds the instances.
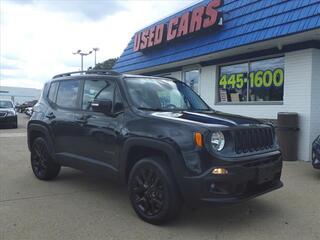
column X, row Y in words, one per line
column 173, row 153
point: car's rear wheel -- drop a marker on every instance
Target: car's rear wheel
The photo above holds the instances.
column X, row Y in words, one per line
column 153, row 192
column 43, row 166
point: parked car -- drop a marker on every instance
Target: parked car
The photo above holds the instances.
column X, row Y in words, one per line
column 157, row 136
column 22, row 108
column 8, row 115
column 316, row 153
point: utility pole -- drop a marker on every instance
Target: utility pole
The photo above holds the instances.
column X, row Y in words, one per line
column 82, row 54
column 95, row 55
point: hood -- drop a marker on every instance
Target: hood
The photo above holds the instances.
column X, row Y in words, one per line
column 213, row 118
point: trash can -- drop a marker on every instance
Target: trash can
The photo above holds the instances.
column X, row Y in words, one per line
column 287, row 133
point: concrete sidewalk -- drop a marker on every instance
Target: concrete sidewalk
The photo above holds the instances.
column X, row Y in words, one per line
column 79, row 206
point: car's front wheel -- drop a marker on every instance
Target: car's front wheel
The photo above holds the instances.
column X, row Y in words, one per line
column 153, row 192
column 15, row 124
column 43, row 166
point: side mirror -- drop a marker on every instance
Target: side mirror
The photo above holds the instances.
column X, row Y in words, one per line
column 104, row 106
column 118, row 107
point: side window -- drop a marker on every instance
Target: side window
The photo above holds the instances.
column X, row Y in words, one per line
column 67, row 93
column 52, row 91
column 96, row 90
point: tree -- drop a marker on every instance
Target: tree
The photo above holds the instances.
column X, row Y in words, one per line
column 106, row 65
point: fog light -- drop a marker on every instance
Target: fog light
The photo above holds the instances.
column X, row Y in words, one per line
column 219, row 171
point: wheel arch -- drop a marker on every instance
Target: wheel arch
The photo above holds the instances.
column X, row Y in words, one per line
column 38, row 130
column 137, row 148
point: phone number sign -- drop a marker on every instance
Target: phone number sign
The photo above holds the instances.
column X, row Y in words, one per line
column 256, row 79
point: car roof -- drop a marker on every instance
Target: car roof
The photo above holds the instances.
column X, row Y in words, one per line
column 100, row 74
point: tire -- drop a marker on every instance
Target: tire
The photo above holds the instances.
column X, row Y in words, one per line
column 43, row 166
column 15, row 124
column 315, row 161
column 153, row 193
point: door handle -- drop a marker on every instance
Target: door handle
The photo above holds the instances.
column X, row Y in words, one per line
column 50, row 115
column 81, row 121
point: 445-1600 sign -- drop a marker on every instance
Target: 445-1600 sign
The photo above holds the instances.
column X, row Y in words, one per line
column 256, row 79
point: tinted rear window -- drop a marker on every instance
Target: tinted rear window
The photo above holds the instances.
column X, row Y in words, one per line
column 68, row 93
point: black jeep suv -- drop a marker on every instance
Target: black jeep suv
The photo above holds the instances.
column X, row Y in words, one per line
column 155, row 135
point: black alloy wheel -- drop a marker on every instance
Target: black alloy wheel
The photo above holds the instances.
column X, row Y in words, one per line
column 153, row 192
column 149, row 191
column 42, row 164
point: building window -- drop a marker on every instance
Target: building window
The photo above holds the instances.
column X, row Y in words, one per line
column 192, row 79
column 252, row 81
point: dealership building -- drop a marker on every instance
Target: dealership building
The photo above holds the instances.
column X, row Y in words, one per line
column 19, row 95
column 249, row 57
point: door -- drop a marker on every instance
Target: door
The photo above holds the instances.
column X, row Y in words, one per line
column 61, row 116
column 98, row 141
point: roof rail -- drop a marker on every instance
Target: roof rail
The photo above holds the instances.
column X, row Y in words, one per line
column 98, row 72
column 172, row 78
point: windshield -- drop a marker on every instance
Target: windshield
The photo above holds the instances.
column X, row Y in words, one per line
column 163, row 95
column 5, row 104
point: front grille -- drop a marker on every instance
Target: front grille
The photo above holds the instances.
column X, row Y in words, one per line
column 253, row 139
column 3, row 114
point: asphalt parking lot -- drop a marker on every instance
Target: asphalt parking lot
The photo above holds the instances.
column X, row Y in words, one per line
column 80, row 206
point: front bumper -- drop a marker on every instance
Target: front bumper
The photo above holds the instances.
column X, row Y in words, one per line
column 8, row 119
column 244, row 181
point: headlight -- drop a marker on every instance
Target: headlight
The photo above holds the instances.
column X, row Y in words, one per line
column 217, row 141
column 11, row 113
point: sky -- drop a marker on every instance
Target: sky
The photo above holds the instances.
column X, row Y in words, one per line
column 38, row 37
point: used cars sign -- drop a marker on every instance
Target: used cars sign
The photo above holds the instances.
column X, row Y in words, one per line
column 200, row 18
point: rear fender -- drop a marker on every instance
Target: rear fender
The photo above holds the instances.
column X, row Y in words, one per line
column 39, row 129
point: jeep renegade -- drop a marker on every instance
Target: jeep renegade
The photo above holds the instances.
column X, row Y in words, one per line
column 154, row 134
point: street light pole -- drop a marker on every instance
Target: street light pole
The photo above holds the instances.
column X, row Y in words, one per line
column 95, row 55
column 81, row 55
column 81, row 61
